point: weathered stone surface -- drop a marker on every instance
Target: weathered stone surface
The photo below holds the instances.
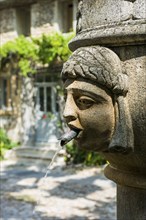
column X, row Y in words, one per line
column 137, row 197
column 114, row 23
column 134, row 58
column 90, row 66
column 109, row 12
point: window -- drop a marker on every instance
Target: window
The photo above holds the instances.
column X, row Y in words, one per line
column 66, row 15
column 46, row 97
column 45, row 90
column 4, row 93
column 23, row 20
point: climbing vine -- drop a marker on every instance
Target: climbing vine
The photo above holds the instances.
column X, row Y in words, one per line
column 29, row 52
column 53, row 48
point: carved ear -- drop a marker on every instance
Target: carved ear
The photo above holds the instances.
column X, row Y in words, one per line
column 123, row 138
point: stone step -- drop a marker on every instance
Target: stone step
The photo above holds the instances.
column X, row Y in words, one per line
column 33, row 154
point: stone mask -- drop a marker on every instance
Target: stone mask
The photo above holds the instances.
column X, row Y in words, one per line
column 95, row 92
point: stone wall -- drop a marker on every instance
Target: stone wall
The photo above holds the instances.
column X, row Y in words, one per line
column 7, row 25
column 42, row 16
column 114, row 23
column 110, row 11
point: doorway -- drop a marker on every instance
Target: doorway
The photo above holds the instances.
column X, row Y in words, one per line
column 46, row 112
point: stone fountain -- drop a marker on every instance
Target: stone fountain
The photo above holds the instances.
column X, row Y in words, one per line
column 104, row 82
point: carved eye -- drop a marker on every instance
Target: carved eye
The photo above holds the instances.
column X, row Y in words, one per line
column 84, row 102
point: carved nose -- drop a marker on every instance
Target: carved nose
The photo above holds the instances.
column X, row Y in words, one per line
column 70, row 113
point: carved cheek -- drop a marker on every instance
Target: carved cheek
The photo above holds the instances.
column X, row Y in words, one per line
column 98, row 119
column 108, row 117
column 108, row 120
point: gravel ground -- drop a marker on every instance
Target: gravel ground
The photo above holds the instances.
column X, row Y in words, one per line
column 71, row 193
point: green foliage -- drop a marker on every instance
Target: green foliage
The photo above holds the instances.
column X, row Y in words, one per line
column 25, row 67
column 77, row 156
column 21, row 45
column 5, row 143
column 32, row 51
column 53, row 48
column 25, row 52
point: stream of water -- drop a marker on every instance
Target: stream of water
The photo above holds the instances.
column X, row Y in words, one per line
column 43, row 179
column 53, row 160
column 67, row 137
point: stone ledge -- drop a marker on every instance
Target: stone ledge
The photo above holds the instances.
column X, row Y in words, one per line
column 136, row 180
column 115, row 34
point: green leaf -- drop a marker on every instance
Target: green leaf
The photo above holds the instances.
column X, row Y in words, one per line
column 45, row 50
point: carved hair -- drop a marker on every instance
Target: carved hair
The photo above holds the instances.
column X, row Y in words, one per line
column 100, row 64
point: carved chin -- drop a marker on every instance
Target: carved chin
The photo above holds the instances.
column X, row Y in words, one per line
column 98, row 147
column 92, row 142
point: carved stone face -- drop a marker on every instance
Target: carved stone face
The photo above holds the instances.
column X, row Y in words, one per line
column 90, row 109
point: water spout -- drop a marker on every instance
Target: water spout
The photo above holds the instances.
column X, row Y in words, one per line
column 68, row 137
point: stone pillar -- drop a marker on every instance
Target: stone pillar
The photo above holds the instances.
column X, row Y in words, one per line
column 131, row 203
column 27, row 112
column 121, row 26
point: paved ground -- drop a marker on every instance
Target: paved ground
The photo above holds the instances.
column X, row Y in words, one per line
column 71, row 193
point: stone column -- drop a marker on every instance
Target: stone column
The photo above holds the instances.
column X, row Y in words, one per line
column 27, row 112
column 121, row 26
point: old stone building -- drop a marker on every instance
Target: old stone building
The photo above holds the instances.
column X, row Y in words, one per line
column 35, row 17
column 23, row 101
